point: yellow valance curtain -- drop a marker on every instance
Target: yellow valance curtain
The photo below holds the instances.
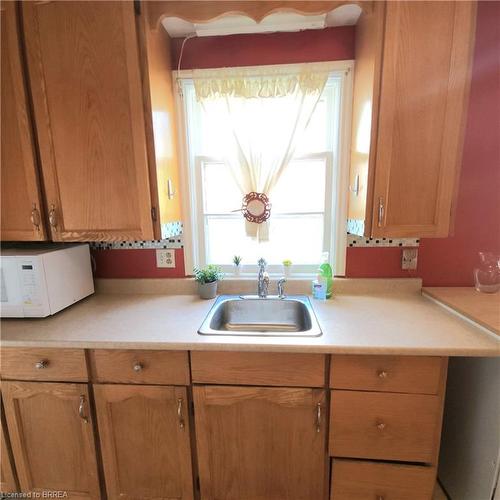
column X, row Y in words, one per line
column 259, row 82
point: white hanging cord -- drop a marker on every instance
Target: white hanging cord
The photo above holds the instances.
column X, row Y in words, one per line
column 179, row 84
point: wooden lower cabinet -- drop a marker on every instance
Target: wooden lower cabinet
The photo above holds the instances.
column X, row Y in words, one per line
column 52, row 437
column 361, row 480
column 8, row 481
column 145, row 441
column 257, row 443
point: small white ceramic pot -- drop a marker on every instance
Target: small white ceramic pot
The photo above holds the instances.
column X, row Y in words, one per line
column 207, row 290
column 287, row 271
column 237, row 270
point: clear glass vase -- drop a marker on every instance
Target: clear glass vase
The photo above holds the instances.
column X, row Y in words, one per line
column 487, row 275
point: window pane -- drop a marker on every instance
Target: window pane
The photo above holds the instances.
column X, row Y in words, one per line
column 301, row 188
column 221, row 194
column 212, row 141
column 298, row 238
column 314, row 139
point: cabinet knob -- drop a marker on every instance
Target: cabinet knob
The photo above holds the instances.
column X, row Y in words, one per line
column 40, row 365
column 138, row 367
column 380, row 497
column 382, row 374
column 381, row 426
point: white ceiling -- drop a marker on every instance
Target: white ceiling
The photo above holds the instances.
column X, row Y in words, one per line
column 346, row 15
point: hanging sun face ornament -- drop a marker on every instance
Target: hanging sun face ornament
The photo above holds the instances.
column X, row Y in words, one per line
column 256, row 207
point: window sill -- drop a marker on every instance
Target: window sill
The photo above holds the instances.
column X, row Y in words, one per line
column 273, row 276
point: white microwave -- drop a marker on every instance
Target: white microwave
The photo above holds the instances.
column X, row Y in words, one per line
column 40, row 281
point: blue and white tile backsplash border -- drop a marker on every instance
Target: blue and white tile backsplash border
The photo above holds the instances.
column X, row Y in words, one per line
column 178, row 242
column 361, row 241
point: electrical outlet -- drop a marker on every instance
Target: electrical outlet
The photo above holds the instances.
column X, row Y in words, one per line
column 165, row 257
column 409, row 258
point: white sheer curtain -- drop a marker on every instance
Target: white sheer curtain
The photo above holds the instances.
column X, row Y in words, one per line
column 265, row 111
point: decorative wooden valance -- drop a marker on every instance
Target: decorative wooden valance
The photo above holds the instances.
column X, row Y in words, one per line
column 204, row 11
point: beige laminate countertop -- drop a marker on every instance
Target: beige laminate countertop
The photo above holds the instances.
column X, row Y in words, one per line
column 392, row 323
column 483, row 308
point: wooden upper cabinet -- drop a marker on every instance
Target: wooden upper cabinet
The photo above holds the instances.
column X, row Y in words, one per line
column 21, row 208
column 52, row 437
column 145, row 441
column 85, row 80
column 261, row 442
column 422, row 111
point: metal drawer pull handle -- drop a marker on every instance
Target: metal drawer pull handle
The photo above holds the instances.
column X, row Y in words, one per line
column 53, row 217
column 318, row 418
column 40, row 365
column 179, row 413
column 381, row 426
column 381, row 212
column 81, row 409
column 138, row 367
column 382, row 374
column 35, row 217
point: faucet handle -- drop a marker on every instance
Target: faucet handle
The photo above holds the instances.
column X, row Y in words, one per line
column 281, row 288
column 262, row 263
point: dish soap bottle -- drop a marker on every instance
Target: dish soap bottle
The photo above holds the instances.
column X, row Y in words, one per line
column 325, row 274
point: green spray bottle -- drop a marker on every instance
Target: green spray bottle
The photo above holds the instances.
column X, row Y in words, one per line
column 325, row 274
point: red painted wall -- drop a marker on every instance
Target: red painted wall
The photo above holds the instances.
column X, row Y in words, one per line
column 135, row 263
column 450, row 261
column 445, row 261
column 331, row 44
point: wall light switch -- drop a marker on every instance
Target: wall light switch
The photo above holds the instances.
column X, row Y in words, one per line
column 409, row 258
column 165, row 257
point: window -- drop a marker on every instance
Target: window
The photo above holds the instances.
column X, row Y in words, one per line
column 308, row 213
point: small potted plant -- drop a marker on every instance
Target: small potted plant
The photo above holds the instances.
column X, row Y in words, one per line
column 207, row 279
column 287, row 267
column 237, row 262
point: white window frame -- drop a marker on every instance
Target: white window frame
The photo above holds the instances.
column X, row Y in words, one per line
column 337, row 180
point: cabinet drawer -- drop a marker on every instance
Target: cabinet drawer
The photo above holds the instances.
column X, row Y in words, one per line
column 383, row 426
column 411, row 374
column 359, row 480
column 258, row 368
column 140, row 367
column 63, row 365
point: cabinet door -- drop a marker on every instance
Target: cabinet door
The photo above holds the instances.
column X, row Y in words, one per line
column 261, row 443
column 52, row 437
column 423, row 105
column 8, row 481
column 21, row 212
column 84, row 76
column 145, row 442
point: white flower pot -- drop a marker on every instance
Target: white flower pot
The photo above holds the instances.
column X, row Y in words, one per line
column 287, row 271
column 237, row 270
column 207, row 290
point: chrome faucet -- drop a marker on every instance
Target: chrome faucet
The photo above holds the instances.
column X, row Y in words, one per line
column 263, row 279
column 281, row 288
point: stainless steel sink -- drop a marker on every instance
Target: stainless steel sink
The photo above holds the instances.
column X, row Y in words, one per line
column 273, row 317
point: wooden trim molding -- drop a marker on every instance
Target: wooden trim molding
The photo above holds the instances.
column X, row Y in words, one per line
column 203, row 11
